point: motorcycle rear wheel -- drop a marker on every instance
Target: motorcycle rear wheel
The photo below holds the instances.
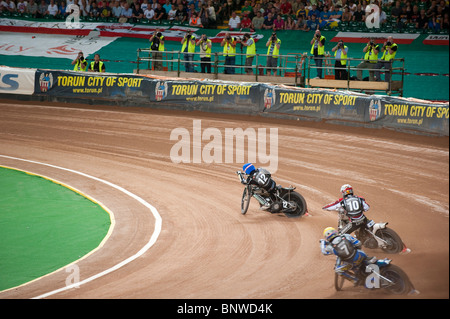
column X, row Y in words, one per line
column 395, row 243
column 299, row 201
column 402, row 284
column 245, row 202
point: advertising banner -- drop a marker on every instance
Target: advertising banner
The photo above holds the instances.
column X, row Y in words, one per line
column 386, row 111
column 248, row 98
column 16, row 80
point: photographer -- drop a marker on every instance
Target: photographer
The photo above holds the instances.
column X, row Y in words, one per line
column 370, row 59
column 318, row 50
column 188, row 48
column 229, row 52
column 249, row 43
column 80, row 62
column 389, row 50
column 273, row 50
column 340, row 54
column 97, row 65
column 205, row 53
column 157, row 47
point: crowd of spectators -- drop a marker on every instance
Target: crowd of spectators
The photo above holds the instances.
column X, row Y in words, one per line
column 243, row 14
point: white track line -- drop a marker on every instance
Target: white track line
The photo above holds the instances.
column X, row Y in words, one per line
column 152, row 241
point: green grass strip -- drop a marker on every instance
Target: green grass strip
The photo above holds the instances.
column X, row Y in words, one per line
column 43, row 227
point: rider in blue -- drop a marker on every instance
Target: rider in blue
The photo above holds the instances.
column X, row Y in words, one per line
column 261, row 178
column 346, row 248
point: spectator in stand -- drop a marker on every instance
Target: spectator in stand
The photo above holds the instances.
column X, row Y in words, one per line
column 160, row 13
column 52, row 9
column 204, row 16
column 258, row 21
column 290, row 23
column 9, row 5
column 246, row 23
column 181, row 15
column 335, row 13
column 396, row 10
column 422, row 21
column 325, row 15
column 125, row 14
column 145, row 5
column 313, row 24
column 21, row 6
column 172, row 13
column 85, row 7
column 32, row 8
column 63, row 10
column 301, row 24
column 268, row 23
column 286, row 7
column 167, row 6
column 137, row 13
column 347, row 16
column 279, row 23
column 246, row 8
column 211, row 14
column 235, row 22
column 149, row 13
column 415, row 14
column 42, row 9
column 195, row 21
column 296, row 6
column 302, row 12
column 95, row 11
column 116, row 10
column 359, row 15
column 403, row 18
column 313, row 11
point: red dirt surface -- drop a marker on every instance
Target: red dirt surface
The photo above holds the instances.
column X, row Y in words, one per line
column 206, row 248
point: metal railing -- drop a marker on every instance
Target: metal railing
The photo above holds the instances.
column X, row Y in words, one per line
column 296, row 66
column 174, row 61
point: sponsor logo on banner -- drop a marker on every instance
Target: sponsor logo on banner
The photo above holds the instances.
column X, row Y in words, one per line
column 436, row 40
column 374, row 110
column 16, row 80
column 269, row 98
column 45, row 81
column 160, row 91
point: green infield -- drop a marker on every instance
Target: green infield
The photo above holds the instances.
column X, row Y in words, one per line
column 44, row 226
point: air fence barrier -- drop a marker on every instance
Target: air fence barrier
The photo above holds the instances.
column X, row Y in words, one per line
column 344, row 107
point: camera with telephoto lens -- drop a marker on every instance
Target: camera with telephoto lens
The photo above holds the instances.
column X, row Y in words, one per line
column 388, row 43
column 274, row 36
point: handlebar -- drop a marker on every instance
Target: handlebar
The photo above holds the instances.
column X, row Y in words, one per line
column 241, row 178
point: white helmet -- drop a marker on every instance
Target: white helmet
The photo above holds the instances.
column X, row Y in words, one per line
column 346, row 190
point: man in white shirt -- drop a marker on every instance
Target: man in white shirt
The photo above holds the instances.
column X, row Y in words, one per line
column 52, row 8
column 234, row 22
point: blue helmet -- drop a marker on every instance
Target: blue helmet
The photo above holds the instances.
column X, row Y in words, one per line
column 248, row 168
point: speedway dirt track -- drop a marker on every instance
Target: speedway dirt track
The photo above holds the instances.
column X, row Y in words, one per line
column 206, row 248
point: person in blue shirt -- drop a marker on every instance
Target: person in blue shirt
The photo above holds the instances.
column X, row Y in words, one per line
column 313, row 24
column 313, row 11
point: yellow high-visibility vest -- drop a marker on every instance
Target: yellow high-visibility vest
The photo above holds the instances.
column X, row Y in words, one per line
column 276, row 51
column 343, row 55
column 228, row 49
column 78, row 66
column 320, row 49
column 386, row 55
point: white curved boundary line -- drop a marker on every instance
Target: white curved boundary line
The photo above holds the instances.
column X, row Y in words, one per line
column 152, row 241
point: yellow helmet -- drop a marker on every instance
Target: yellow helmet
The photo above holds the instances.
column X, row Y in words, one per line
column 330, row 233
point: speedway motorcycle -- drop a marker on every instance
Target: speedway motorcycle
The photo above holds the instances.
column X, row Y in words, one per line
column 377, row 274
column 283, row 200
column 374, row 235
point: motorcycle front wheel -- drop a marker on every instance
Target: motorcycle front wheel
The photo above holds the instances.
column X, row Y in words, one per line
column 245, row 202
